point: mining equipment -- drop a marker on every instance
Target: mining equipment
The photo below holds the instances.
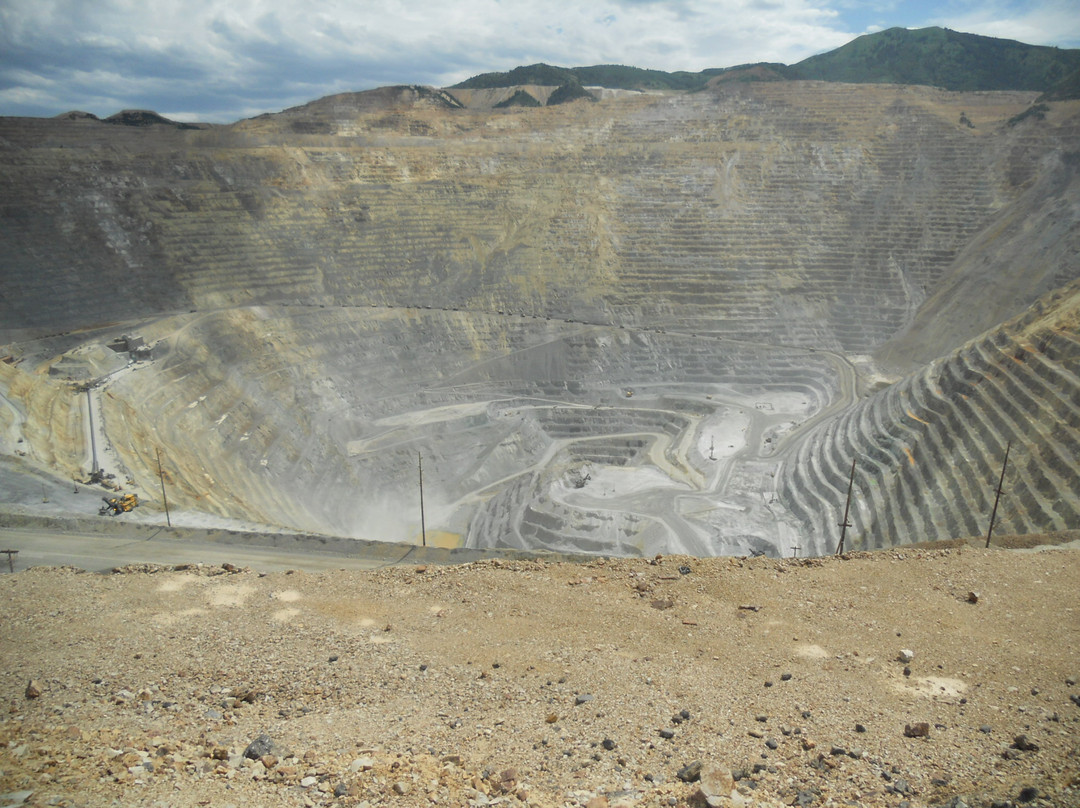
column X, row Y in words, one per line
column 117, row 505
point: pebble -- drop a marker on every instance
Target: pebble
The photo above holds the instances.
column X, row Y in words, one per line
column 918, row 730
column 860, row 728
column 583, row 698
column 667, row 734
column 33, row 690
column 1024, row 744
column 1027, row 794
column 262, row 746
column 608, row 744
column 906, row 655
column 691, row 772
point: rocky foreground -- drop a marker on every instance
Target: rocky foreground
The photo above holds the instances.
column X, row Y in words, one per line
column 911, row 677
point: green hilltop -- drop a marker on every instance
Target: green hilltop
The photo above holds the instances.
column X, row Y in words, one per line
column 936, row 57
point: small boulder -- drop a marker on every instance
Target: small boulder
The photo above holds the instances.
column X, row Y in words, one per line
column 262, row 746
column 690, row 773
column 33, row 690
column 1024, row 744
column 917, row 730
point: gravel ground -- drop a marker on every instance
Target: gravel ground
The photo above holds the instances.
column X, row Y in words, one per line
column 549, row 684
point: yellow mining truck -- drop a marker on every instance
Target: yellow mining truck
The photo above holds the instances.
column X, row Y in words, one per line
column 117, row 505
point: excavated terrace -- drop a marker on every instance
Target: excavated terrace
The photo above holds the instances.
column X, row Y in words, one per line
column 656, row 323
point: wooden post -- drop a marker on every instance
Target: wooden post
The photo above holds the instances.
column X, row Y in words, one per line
column 423, row 527
column 847, row 506
column 997, row 497
column 161, row 478
column 10, row 561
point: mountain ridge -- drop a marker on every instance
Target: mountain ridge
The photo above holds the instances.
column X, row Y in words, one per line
column 934, row 56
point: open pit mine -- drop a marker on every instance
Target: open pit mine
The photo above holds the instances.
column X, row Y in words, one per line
column 650, row 323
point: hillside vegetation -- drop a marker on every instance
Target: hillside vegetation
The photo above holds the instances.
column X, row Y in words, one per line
column 935, row 57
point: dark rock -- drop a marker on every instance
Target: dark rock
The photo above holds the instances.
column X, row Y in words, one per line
column 1075, row 698
column 837, row 751
column 907, row 671
column 33, row 690
column 690, row 773
column 1022, row 743
column 684, row 714
column 860, row 728
column 772, row 743
column 608, row 744
column 684, row 570
column 918, row 730
column 667, row 734
column 785, row 677
column 761, row 717
column 341, row 790
column 768, row 683
column 333, row 658
column 262, row 746
column 1027, row 794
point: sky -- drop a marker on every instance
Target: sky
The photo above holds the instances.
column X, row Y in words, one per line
column 218, row 61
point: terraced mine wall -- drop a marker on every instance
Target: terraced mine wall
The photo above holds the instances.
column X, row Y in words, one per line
column 653, row 323
column 929, row 450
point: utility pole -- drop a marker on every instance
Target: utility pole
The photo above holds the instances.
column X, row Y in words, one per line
column 161, row 478
column 423, row 527
column 93, row 443
column 847, row 506
column 997, row 497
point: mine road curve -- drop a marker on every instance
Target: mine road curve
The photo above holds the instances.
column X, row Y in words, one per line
column 667, row 502
column 100, row 553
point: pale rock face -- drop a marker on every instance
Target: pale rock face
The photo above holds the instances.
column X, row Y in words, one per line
column 657, row 323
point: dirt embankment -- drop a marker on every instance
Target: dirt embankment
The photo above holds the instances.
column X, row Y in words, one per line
column 533, row 683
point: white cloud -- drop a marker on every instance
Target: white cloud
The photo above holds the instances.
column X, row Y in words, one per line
column 223, row 59
column 1046, row 23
